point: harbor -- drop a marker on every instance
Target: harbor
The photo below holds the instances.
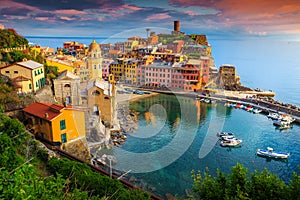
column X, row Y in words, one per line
column 255, row 130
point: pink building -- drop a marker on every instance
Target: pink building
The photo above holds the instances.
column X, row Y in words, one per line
column 105, row 68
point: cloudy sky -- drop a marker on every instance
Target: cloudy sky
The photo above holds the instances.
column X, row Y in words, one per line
column 219, row 18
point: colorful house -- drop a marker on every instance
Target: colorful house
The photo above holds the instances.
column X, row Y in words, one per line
column 62, row 64
column 55, row 124
column 28, row 76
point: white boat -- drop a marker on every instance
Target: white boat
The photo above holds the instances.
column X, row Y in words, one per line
column 231, row 143
column 228, row 137
column 287, row 118
column 280, row 123
column 220, row 134
column 256, row 111
column 271, row 154
column 213, row 101
column 274, row 116
column 287, row 126
column 227, row 104
column 207, row 100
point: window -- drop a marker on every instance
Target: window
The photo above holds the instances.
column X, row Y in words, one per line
column 35, row 73
column 16, row 72
column 7, row 72
column 63, row 138
column 36, row 84
column 62, row 124
column 95, row 66
column 30, row 86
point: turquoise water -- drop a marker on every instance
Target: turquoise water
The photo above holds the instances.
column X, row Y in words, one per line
column 182, row 116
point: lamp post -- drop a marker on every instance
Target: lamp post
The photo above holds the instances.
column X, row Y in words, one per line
column 109, row 157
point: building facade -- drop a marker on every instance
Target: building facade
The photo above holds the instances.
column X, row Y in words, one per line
column 28, row 76
column 67, row 89
column 55, row 124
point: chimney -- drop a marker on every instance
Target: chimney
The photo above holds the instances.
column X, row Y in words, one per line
column 46, row 115
column 177, row 26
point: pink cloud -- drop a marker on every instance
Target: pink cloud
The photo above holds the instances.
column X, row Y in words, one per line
column 158, row 17
column 70, row 12
column 42, row 18
column 134, row 8
column 190, row 12
column 66, row 18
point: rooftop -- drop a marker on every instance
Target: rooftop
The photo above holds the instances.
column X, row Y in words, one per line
column 44, row 110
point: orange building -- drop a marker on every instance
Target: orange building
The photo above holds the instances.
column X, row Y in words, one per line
column 55, row 124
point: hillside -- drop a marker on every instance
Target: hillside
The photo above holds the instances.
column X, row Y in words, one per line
column 9, row 38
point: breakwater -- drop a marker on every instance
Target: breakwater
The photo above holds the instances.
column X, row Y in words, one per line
column 266, row 104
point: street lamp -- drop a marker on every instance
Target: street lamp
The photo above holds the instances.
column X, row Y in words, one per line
column 109, row 157
column 147, row 29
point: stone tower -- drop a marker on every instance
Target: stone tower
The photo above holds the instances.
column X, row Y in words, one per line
column 94, row 61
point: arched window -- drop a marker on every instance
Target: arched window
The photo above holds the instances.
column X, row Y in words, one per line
column 67, row 85
column 95, row 92
column 106, row 98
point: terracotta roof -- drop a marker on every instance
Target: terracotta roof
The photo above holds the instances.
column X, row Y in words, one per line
column 44, row 110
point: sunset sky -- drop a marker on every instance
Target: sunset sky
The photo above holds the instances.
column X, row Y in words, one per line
column 218, row 18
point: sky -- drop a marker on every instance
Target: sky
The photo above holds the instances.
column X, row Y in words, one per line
column 216, row 18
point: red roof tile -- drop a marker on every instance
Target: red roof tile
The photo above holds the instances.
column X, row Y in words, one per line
column 42, row 110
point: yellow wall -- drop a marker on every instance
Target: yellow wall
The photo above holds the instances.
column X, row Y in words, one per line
column 75, row 125
column 36, row 76
column 103, row 102
column 61, row 67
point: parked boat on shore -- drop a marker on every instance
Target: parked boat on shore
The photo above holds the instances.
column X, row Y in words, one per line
column 271, row 154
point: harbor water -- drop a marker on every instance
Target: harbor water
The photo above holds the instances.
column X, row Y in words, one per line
column 199, row 123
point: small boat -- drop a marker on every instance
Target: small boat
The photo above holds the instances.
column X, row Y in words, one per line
column 243, row 107
column 271, row 154
column 274, row 116
column 231, row 143
column 220, row 134
column 233, row 105
column 238, row 106
column 249, row 108
column 207, row 100
column 287, row 118
column 280, row 123
column 256, row 111
column 213, row 101
column 228, row 137
column 227, row 104
column 286, row 126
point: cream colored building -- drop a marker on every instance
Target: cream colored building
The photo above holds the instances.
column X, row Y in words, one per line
column 67, row 89
column 94, row 61
column 28, row 76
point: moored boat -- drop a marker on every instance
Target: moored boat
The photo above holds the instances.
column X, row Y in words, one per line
column 256, row 111
column 207, row 100
column 271, row 154
column 280, row 123
column 220, row 134
column 274, row 116
column 231, row 143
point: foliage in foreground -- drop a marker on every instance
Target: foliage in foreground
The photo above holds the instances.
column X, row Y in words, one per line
column 23, row 174
column 260, row 186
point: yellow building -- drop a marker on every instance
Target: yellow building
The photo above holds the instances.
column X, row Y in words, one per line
column 101, row 100
column 55, row 124
column 61, row 64
column 124, row 70
column 28, row 76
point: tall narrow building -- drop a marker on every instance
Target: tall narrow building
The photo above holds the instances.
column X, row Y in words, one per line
column 94, row 61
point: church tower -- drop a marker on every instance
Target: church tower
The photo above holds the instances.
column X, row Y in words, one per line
column 94, row 61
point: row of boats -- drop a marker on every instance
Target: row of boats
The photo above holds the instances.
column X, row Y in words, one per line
column 282, row 121
column 229, row 140
column 244, row 107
